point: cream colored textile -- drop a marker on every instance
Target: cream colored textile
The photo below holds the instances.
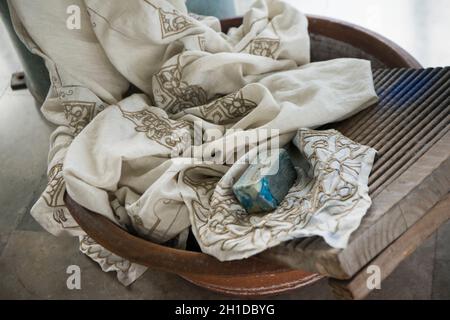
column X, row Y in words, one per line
column 84, row 82
column 329, row 199
column 136, row 159
column 131, row 150
column 271, row 29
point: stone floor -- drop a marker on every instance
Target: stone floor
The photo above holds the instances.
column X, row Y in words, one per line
column 33, row 263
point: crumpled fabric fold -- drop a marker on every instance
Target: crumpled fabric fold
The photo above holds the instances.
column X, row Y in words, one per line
column 137, row 159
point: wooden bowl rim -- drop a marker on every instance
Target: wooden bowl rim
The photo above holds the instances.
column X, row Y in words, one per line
column 369, row 41
column 186, row 263
column 182, row 262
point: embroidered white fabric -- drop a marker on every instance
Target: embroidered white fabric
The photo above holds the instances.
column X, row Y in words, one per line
column 135, row 159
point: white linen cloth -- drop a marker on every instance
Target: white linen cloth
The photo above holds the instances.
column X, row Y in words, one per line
column 83, row 82
column 128, row 160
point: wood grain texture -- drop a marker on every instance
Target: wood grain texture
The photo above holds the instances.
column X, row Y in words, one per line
column 410, row 129
column 394, row 210
column 390, row 258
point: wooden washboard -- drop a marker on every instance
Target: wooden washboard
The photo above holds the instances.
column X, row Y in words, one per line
column 409, row 128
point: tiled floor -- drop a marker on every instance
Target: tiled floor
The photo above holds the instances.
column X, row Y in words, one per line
column 33, row 263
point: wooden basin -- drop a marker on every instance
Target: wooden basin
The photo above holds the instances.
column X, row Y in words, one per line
column 255, row 276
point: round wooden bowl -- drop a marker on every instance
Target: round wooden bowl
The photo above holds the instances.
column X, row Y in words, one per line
column 254, row 276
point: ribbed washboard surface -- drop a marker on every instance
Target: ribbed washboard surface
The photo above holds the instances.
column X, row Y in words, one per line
column 409, row 127
column 412, row 114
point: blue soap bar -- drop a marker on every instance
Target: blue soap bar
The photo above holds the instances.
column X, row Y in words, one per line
column 263, row 186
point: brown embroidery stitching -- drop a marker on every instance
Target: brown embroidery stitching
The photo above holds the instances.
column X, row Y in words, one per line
column 332, row 178
column 265, row 47
column 91, row 248
column 227, row 108
column 54, row 198
column 59, row 216
column 333, row 156
column 202, row 178
column 173, row 94
column 168, row 133
column 54, row 191
column 202, row 42
column 64, row 219
column 173, row 23
column 195, row 16
column 79, row 114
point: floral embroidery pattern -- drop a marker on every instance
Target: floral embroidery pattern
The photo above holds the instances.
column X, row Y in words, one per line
column 62, row 216
column 336, row 161
column 54, row 198
column 168, row 133
column 227, row 108
column 53, row 194
column 59, row 216
column 329, row 181
column 105, row 258
column 265, row 47
column 79, row 114
column 173, row 94
column 173, row 23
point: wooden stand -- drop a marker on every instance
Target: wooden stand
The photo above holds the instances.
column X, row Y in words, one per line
column 409, row 128
column 392, row 256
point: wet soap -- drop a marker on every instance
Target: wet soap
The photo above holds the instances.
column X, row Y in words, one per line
column 263, row 186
